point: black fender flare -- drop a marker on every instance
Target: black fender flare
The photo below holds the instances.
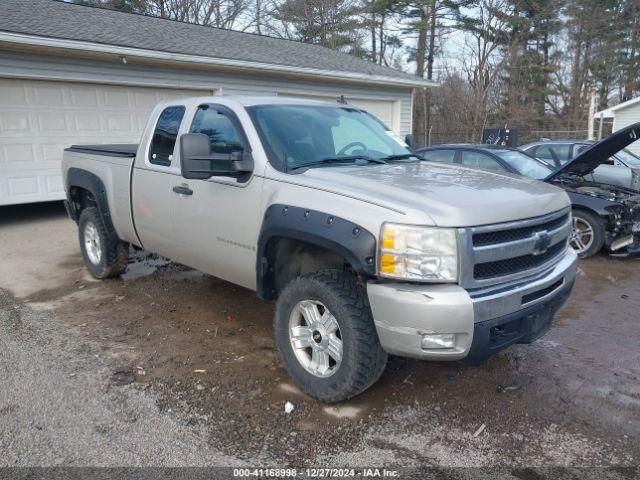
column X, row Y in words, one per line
column 78, row 177
column 353, row 242
column 599, row 206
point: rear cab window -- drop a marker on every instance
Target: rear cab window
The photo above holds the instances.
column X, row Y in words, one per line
column 163, row 141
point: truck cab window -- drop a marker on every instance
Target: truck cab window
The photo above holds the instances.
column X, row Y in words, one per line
column 164, row 136
column 219, row 128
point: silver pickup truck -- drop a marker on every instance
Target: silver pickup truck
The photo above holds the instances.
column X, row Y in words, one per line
column 366, row 249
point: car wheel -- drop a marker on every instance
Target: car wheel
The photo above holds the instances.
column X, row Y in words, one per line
column 104, row 254
column 587, row 233
column 326, row 336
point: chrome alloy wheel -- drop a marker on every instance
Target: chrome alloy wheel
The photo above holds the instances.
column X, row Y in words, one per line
column 92, row 243
column 582, row 235
column 315, row 338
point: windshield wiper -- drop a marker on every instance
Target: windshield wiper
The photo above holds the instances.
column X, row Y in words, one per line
column 338, row 160
column 403, row 156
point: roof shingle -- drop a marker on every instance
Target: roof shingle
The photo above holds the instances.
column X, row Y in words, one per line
column 61, row 20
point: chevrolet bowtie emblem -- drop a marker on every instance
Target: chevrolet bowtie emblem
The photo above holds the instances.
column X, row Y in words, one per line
column 542, row 242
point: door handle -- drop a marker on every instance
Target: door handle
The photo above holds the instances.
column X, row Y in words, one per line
column 183, row 190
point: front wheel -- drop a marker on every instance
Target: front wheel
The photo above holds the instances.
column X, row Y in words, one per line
column 326, row 336
column 587, row 233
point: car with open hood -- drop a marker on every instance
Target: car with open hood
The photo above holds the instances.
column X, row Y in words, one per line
column 621, row 168
column 604, row 215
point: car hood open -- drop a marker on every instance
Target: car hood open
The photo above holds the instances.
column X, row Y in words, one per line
column 598, row 153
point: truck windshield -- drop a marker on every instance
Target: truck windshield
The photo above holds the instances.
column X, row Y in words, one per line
column 524, row 164
column 296, row 135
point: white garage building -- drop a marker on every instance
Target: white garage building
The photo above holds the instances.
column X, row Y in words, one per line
column 623, row 115
column 79, row 74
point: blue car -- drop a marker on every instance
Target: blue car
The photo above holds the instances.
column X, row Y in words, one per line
column 604, row 215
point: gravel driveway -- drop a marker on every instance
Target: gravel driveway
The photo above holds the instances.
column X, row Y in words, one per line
column 167, row 366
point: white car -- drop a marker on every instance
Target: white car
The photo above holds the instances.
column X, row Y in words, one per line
column 621, row 169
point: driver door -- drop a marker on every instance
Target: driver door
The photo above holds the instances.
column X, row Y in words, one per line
column 216, row 221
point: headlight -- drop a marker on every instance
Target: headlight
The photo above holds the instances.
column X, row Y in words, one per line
column 427, row 254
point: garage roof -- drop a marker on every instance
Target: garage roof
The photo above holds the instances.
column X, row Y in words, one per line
column 609, row 112
column 91, row 28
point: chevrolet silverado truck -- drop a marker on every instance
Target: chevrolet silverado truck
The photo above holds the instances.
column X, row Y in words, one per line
column 365, row 249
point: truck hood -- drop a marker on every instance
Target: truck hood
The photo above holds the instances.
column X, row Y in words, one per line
column 598, row 153
column 452, row 196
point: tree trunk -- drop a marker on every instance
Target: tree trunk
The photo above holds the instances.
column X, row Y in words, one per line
column 514, row 82
column 374, row 47
column 258, row 17
column 432, row 42
column 542, row 100
column 382, row 42
column 430, row 59
column 574, row 92
column 631, row 70
column 419, row 111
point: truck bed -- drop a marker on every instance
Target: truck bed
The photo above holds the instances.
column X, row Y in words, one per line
column 111, row 150
column 107, row 168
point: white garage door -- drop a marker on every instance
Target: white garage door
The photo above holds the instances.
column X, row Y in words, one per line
column 385, row 110
column 39, row 119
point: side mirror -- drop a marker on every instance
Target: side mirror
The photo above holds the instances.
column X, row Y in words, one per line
column 198, row 163
column 410, row 140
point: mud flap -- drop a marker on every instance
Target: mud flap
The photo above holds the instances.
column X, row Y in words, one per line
column 71, row 210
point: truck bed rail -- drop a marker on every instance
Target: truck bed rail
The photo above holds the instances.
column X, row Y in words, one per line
column 128, row 150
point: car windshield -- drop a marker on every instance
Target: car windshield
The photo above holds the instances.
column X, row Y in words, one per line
column 628, row 158
column 296, row 135
column 524, row 164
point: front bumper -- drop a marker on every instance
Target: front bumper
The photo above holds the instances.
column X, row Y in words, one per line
column 484, row 321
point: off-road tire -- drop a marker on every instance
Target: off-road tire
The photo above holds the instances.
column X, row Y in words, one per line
column 363, row 359
column 599, row 231
column 114, row 252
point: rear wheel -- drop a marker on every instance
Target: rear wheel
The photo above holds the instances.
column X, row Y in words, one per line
column 104, row 254
column 587, row 233
column 326, row 336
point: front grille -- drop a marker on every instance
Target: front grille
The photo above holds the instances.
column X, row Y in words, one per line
column 511, row 235
column 507, row 252
column 509, row 266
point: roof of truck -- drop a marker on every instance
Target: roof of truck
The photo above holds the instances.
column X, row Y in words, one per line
column 252, row 100
column 62, row 24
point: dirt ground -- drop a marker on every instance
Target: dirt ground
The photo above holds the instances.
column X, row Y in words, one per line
column 203, row 351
